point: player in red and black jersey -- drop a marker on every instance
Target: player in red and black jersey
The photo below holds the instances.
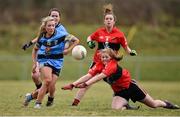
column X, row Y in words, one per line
column 107, row 36
column 110, row 37
column 119, row 79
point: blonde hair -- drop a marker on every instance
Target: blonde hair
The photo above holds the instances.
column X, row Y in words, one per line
column 112, row 54
column 108, row 10
column 42, row 29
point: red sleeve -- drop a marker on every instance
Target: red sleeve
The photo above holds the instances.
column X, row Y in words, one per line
column 110, row 68
column 97, row 68
column 122, row 40
column 95, row 35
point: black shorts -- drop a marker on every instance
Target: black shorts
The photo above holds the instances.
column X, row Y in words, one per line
column 134, row 92
column 54, row 70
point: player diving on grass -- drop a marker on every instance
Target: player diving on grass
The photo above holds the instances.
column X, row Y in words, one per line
column 119, row 79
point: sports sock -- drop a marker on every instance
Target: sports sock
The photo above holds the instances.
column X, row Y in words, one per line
column 75, row 102
column 38, row 86
column 50, row 98
column 38, row 102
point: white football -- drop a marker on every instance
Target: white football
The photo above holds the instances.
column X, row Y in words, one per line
column 79, row 52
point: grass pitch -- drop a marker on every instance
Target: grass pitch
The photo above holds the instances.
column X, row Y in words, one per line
column 97, row 101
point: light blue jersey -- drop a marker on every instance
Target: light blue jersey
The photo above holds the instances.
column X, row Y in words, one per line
column 51, row 49
column 60, row 27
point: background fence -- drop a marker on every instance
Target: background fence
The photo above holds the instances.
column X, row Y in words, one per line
column 164, row 68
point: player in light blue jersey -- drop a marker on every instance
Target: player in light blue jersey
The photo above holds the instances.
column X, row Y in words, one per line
column 48, row 52
column 55, row 13
column 48, row 58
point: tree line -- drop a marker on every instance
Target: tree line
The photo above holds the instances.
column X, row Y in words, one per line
column 128, row 12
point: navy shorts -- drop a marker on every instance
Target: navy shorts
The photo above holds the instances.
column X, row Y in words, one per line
column 134, row 92
column 54, row 70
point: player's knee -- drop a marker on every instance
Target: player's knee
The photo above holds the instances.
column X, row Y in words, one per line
column 48, row 81
column 35, row 76
column 116, row 107
column 52, row 88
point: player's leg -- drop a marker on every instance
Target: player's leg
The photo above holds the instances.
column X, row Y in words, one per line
column 139, row 94
column 119, row 103
column 52, row 90
column 36, row 79
column 79, row 95
column 81, row 92
column 35, row 75
column 149, row 101
column 125, row 94
column 46, row 73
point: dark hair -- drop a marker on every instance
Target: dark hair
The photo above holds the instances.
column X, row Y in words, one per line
column 54, row 9
column 108, row 10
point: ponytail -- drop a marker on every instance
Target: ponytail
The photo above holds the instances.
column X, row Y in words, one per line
column 108, row 10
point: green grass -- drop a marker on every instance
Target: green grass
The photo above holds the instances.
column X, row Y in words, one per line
column 97, row 101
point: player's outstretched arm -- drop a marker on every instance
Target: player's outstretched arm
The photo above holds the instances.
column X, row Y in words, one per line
column 91, row 81
column 29, row 44
column 79, row 81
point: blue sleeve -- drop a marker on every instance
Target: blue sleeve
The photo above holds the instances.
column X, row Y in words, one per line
column 62, row 28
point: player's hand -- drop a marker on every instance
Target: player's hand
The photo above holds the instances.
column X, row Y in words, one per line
column 66, row 51
column 27, row 45
column 91, row 44
column 82, row 85
column 133, row 53
column 67, row 87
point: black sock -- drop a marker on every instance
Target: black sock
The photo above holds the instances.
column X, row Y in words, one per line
column 38, row 86
column 38, row 102
column 50, row 98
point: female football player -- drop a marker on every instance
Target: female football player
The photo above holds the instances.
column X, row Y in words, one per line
column 107, row 36
column 119, row 79
column 55, row 13
column 48, row 52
